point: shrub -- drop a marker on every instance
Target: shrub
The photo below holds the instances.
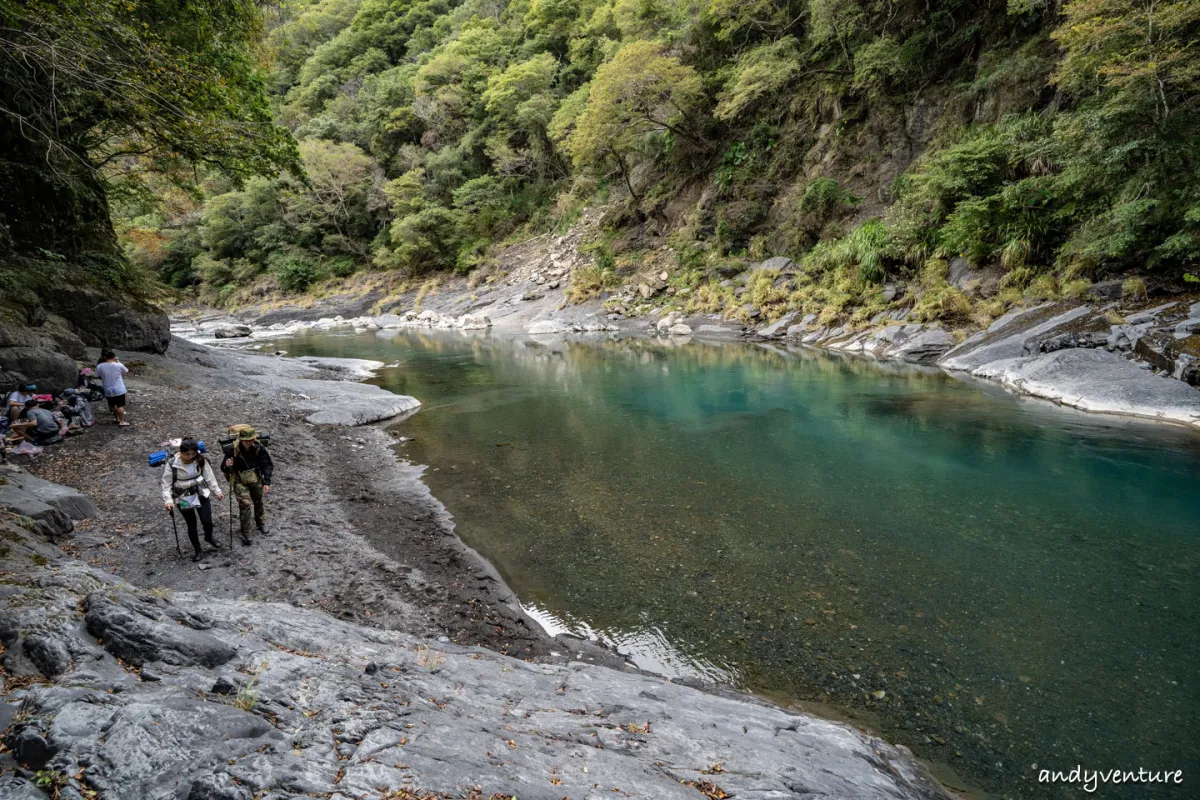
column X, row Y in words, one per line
column 824, row 196
column 425, row 241
column 1134, row 289
column 341, row 267
column 1043, row 287
column 1076, row 289
column 1018, row 278
column 590, row 280
column 292, row 271
column 944, row 303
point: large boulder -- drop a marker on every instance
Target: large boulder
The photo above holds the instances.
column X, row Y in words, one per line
column 1177, row 357
column 349, row 404
column 777, row 328
column 543, row 326
column 232, row 332
column 1007, row 336
column 71, row 502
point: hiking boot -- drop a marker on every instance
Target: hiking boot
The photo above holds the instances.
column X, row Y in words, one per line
column 246, row 541
column 211, row 543
column 263, row 529
column 197, row 556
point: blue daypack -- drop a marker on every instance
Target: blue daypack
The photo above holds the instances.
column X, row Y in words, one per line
column 159, row 457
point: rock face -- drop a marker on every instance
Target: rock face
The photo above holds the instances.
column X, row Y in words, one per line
column 43, row 354
column 1007, row 340
column 42, row 339
column 238, row 700
column 1074, row 356
column 102, row 321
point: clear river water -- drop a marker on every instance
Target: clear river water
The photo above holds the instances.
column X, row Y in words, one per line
column 996, row 583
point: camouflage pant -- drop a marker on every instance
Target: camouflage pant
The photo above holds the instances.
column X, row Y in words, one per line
column 248, row 491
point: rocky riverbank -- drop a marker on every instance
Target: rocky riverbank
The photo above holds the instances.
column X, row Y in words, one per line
column 1112, row 357
column 115, row 692
column 336, row 657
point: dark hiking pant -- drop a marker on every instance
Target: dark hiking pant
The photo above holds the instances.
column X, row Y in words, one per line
column 205, row 514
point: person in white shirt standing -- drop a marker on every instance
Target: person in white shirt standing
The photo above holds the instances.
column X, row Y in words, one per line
column 112, row 375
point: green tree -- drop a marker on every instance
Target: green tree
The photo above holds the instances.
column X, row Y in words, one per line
column 90, row 81
column 641, row 91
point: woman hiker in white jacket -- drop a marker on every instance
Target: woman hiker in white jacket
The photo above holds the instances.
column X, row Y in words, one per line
column 187, row 482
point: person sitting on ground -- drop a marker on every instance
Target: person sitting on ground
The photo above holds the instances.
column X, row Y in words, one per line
column 187, row 482
column 112, row 373
column 76, row 409
column 249, row 467
column 37, row 424
column 17, row 399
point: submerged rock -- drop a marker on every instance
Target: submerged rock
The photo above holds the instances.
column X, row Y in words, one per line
column 543, row 326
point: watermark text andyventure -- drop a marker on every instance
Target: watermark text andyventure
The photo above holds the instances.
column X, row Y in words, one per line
column 1092, row 779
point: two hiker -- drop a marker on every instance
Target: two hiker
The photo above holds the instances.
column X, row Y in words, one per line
column 188, row 482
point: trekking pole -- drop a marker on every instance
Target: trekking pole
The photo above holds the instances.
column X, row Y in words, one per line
column 175, row 528
column 232, row 479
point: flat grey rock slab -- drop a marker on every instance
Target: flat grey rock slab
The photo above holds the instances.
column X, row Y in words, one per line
column 1099, row 381
column 1007, row 341
column 349, row 404
column 709, row 331
column 924, row 347
column 1150, row 314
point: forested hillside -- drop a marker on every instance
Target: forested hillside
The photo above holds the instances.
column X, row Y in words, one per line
column 871, row 139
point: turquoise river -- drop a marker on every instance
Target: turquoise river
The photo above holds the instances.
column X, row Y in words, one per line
column 1000, row 584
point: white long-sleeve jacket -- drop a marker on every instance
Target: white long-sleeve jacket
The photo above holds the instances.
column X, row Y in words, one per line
column 175, row 473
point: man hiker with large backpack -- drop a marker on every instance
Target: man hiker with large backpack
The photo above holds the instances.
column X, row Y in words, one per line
column 248, row 466
column 187, row 483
